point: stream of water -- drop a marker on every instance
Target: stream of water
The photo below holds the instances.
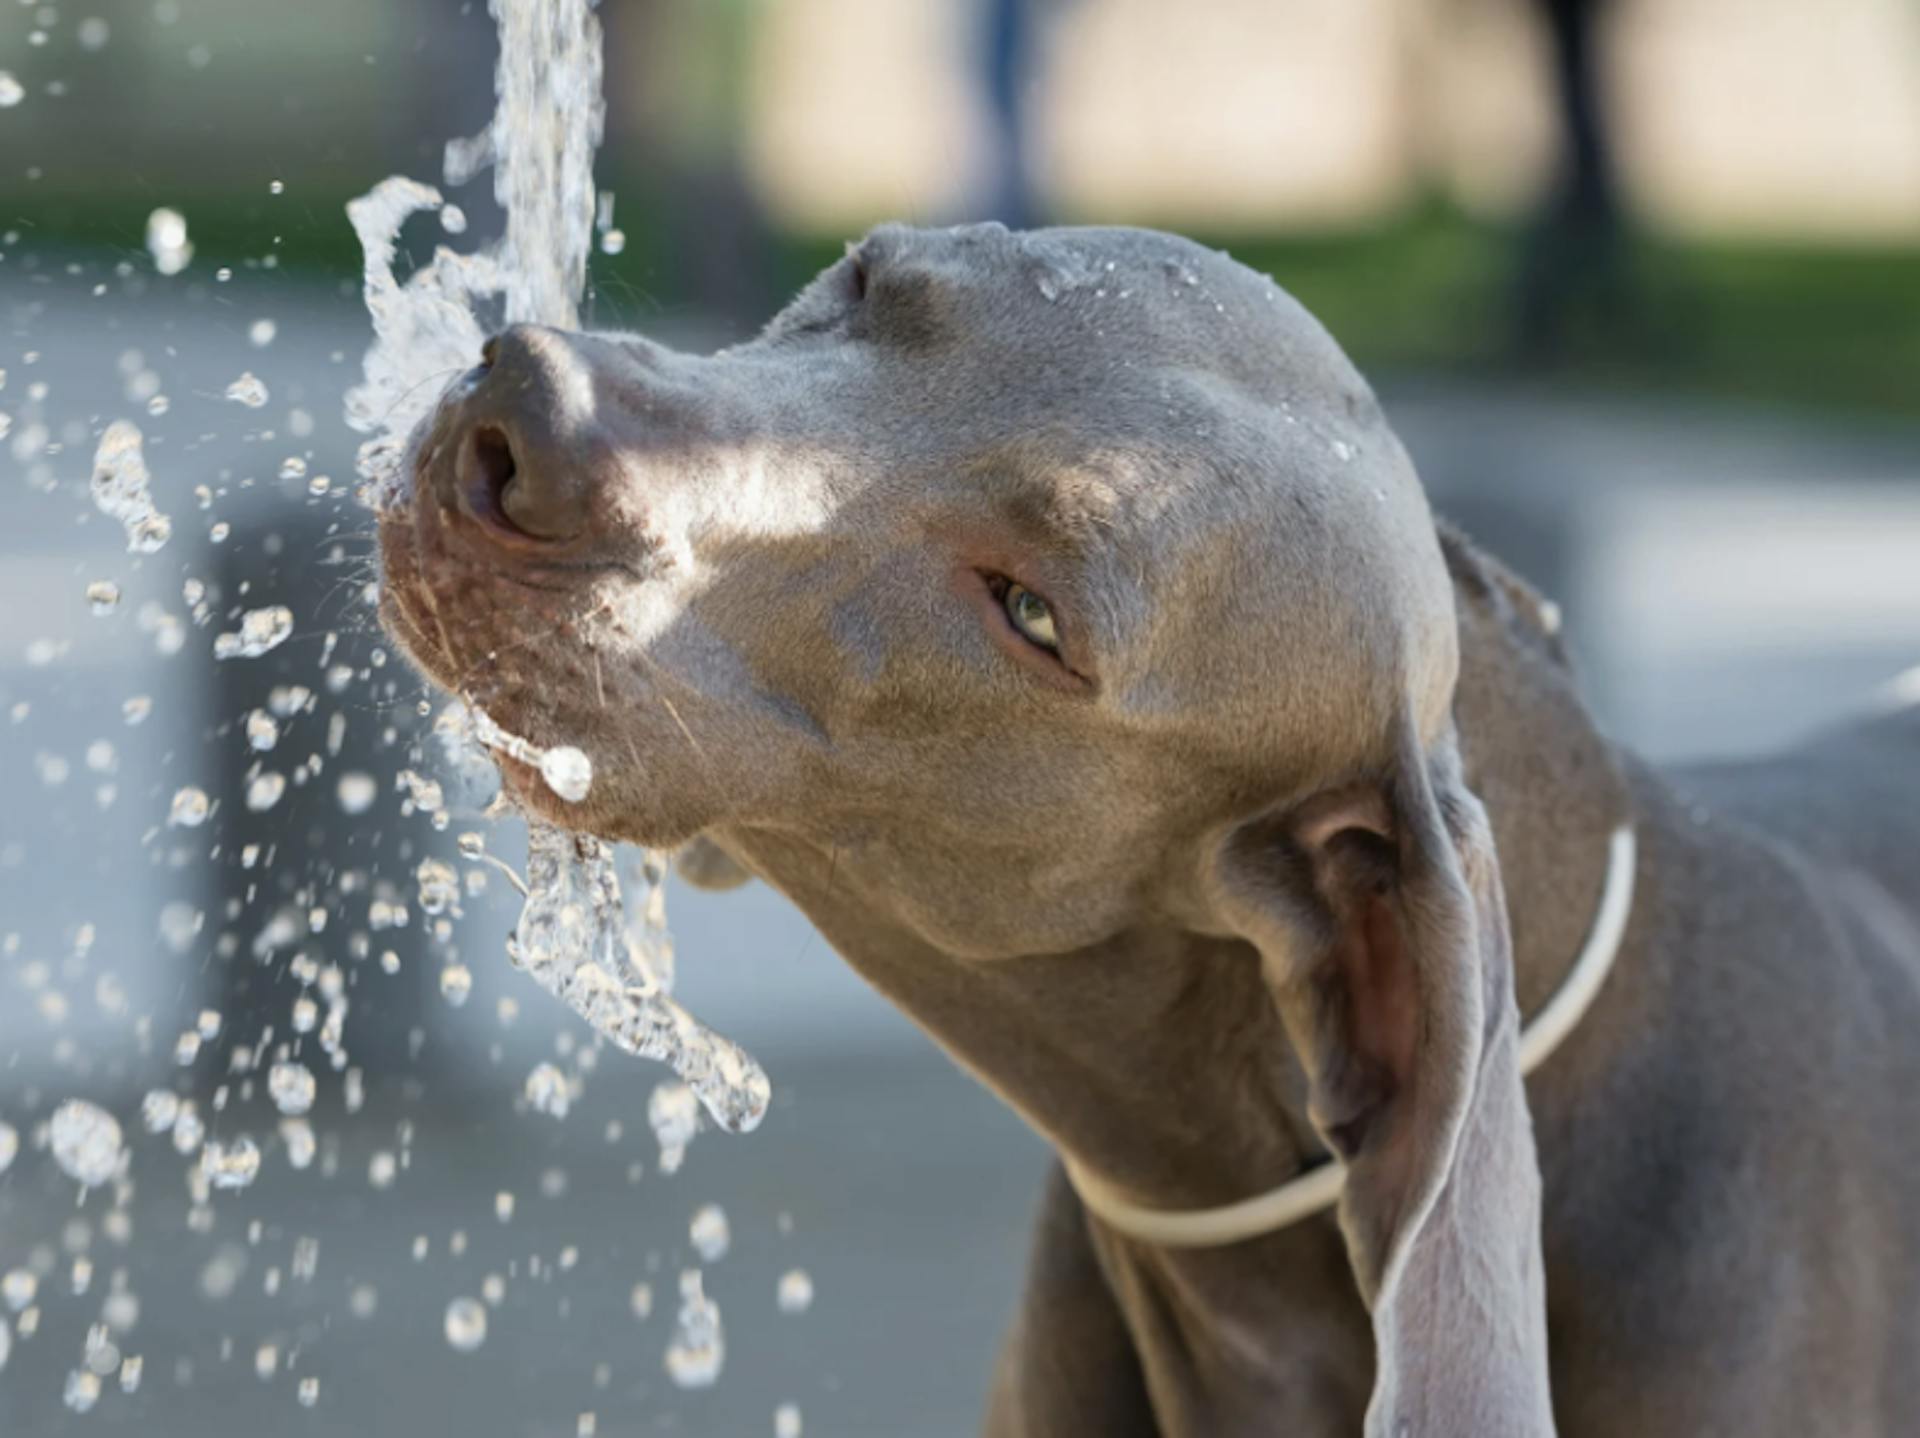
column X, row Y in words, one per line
column 235, row 1096
column 572, row 936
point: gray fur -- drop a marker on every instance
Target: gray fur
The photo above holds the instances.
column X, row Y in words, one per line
column 1222, row 890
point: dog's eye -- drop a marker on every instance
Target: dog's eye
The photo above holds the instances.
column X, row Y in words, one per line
column 1030, row 615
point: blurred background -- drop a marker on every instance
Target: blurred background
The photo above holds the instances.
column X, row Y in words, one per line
column 1639, row 283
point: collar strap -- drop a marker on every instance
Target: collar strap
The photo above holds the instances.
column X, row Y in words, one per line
column 1318, row 1188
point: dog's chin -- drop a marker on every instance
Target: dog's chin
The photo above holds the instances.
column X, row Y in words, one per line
column 422, row 617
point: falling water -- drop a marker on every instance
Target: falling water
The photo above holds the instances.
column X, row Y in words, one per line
column 572, row 937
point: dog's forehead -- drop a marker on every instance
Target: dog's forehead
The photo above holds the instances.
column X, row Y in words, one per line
column 1111, row 299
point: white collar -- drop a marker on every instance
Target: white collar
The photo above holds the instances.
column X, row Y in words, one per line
column 1318, row 1188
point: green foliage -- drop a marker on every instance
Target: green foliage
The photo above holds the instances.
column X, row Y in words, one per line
column 1833, row 328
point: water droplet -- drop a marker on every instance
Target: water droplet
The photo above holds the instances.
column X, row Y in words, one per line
column 12, row 92
column 248, row 390
column 674, row 1115
column 466, row 1324
column 786, row 1421
column 297, row 1135
column 188, row 1129
column 356, row 792
column 263, row 730
column 568, row 772
column 265, row 790
column 230, row 1165
column 93, row 33
column 9, row 1145
column 19, row 1288
column 613, row 242
column 453, row 219
column 167, row 241
column 439, row 886
column 260, row 630
column 641, row 1300
column 159, row 1109
column 190, row 808
column 120, row 489
column 456, row 983
column 86, row 1142
column 291, row 1087
column 259, row 334
column 698, row 1350
column 82, row 1391
column 547, row 1091
column 309, row 1390
column 795, row 1293
column 709, row 1233
column 276, row 187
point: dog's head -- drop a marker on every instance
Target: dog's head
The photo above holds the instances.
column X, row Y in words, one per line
column 1000, row 563
column 1052, row 584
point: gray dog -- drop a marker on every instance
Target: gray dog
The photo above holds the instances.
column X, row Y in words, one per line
column 1055, row 619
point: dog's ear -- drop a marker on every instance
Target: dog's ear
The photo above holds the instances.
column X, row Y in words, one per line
column 1381, row 923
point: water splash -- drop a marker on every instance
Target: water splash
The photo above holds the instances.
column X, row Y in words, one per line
column 572, row 935
column 545, row 128
column 120, row 490
column 572, row 939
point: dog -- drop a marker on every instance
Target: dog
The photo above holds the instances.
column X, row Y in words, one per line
column 1056, row 620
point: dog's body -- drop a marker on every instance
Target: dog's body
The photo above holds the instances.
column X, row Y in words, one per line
column 1731, row 1201
column 1056, row 621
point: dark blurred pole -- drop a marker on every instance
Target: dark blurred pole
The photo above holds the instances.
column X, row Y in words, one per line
column 1006, row 55
column 1572, row 261
column 676, row 92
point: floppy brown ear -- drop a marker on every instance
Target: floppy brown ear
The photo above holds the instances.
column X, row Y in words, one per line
column 1380, row 919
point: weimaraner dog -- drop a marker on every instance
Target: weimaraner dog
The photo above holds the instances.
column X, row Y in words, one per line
column 1056, row 620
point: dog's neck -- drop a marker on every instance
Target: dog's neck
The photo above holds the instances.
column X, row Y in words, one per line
column 1159, row 1062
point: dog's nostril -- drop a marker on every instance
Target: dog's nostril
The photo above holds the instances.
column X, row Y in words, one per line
column 493, row 465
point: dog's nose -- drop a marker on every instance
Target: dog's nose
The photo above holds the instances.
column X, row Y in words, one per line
column 527, row 453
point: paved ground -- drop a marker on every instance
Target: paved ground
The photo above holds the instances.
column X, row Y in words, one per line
column 1730, row 578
